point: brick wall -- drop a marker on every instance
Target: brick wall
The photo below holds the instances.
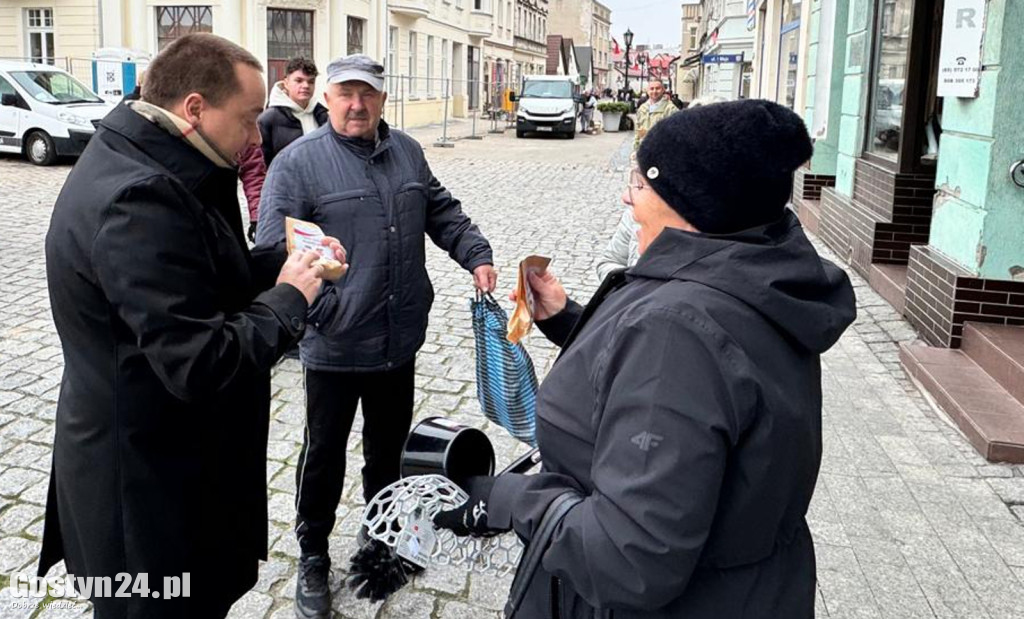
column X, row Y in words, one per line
column 807, row 186
column 942, row 296
column 834, row 227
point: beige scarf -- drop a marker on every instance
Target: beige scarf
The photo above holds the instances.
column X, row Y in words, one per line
column 179, row 127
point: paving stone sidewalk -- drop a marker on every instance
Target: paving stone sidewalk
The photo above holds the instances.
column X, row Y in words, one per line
column 908, row 520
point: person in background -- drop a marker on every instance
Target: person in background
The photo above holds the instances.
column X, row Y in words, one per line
column 589, row 104
column 136, row 94
column 621, row 251
column 369, row 184
column 291, row 111
column 252, row 172
column 656, row 108
column 684, row 411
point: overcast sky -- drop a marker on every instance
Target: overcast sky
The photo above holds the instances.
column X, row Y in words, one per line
column 652, row 21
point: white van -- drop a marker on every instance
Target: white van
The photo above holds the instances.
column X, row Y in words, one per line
column 45, row 112
column 547, row 104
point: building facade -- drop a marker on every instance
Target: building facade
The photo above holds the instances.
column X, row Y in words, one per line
column 432, row 50
column 499, row 71
column 727, row 49
column 780, row 44
column 48, row 31
column 531, row 36
column 918, row 181
column 588, row 24
column 687, row 80
column 435, row 49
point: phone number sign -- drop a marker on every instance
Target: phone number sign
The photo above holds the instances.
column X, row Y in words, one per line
column 963, row 30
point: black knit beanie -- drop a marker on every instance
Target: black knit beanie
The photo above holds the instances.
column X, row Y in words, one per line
column 726, row 167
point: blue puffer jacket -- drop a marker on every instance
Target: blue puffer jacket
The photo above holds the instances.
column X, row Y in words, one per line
column 375, row 317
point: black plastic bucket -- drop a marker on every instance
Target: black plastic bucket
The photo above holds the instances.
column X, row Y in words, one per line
column 437, row 446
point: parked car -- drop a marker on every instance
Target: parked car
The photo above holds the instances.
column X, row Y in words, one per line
column 45, row 112
column 547, row 104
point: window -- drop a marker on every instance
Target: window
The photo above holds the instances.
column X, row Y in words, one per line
column 446, row 88
column 412, row 63
column 891, row 59
column 173, row 22
column 789, row 53
column 392, row 68
column 54, row 87
column 39, row 31
column 430, row 66
column 692, row 37
column 473, row 66
column 356, row 28
column 289, row 34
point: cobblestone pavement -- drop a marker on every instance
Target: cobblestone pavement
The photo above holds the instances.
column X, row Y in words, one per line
column 908, row 521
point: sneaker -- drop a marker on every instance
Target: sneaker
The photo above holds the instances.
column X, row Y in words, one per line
column 312, row 591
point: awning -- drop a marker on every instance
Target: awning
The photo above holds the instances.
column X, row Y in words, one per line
column 692, row 60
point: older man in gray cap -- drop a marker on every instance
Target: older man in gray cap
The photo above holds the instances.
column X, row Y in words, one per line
column 370, row 186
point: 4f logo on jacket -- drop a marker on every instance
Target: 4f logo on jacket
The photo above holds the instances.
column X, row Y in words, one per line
column 480, row 510
column 646, row 441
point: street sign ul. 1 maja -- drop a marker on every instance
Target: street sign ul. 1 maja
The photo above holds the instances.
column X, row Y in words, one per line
column 722, row 58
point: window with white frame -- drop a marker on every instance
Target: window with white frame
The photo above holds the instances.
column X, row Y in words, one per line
column 412, row 62
column 39, row 35
column 430, row 66
column 392, row 68
column 692, row 37
column 446, row 89
column 356, row 31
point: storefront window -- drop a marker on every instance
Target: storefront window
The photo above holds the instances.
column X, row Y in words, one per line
column 890, row 77
column 789, row 52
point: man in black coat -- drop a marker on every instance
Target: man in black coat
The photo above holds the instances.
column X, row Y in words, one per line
column 291, row 111
column 170, row 328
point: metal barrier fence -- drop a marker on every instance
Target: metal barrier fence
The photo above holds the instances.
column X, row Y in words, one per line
column 473, row 105
column 461, row 108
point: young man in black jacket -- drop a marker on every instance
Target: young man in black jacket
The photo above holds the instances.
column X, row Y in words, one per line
column 291, row 111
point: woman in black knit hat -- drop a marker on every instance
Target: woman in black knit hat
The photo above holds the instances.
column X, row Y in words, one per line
column 685, row 409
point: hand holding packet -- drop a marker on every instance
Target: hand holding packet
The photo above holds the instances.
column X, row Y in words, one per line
column 306, row 236
column 522, row 317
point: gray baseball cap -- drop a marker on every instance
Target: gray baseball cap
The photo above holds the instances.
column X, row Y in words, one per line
column 358, row 67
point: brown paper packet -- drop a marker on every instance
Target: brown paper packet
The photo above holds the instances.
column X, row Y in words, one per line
column 304, row 235
column 521, row 320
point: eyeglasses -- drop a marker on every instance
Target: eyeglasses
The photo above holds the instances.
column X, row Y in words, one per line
column 635, row 182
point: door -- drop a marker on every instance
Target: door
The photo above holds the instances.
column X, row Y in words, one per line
column 10, row 115
column 289, row 35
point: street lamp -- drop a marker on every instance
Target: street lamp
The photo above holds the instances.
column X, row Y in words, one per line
column 628, row 38
column 641, row 60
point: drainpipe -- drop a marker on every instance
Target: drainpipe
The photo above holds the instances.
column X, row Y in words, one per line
column 99, row 17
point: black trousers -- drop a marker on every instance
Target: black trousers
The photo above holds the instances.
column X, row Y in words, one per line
column 331, row 400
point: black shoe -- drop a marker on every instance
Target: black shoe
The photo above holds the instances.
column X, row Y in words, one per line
column 312, row 591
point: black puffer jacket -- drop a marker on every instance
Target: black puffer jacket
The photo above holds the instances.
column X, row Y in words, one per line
column 686, row 409
column 279, row 128
column 380, row 203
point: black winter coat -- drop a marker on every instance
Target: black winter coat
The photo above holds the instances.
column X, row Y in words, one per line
column 159, row 461
column 686, row 409
column 381, row 208
column 279, row 128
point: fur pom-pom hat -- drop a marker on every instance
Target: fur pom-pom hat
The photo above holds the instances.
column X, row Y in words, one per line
column 728, row 166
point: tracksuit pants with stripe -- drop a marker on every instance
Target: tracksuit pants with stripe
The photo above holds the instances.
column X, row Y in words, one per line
column 331, row 401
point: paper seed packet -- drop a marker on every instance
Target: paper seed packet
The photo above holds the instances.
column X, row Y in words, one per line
column 521, row 322
column 306, row 236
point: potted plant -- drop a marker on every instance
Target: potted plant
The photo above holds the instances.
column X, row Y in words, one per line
column 611, row 114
